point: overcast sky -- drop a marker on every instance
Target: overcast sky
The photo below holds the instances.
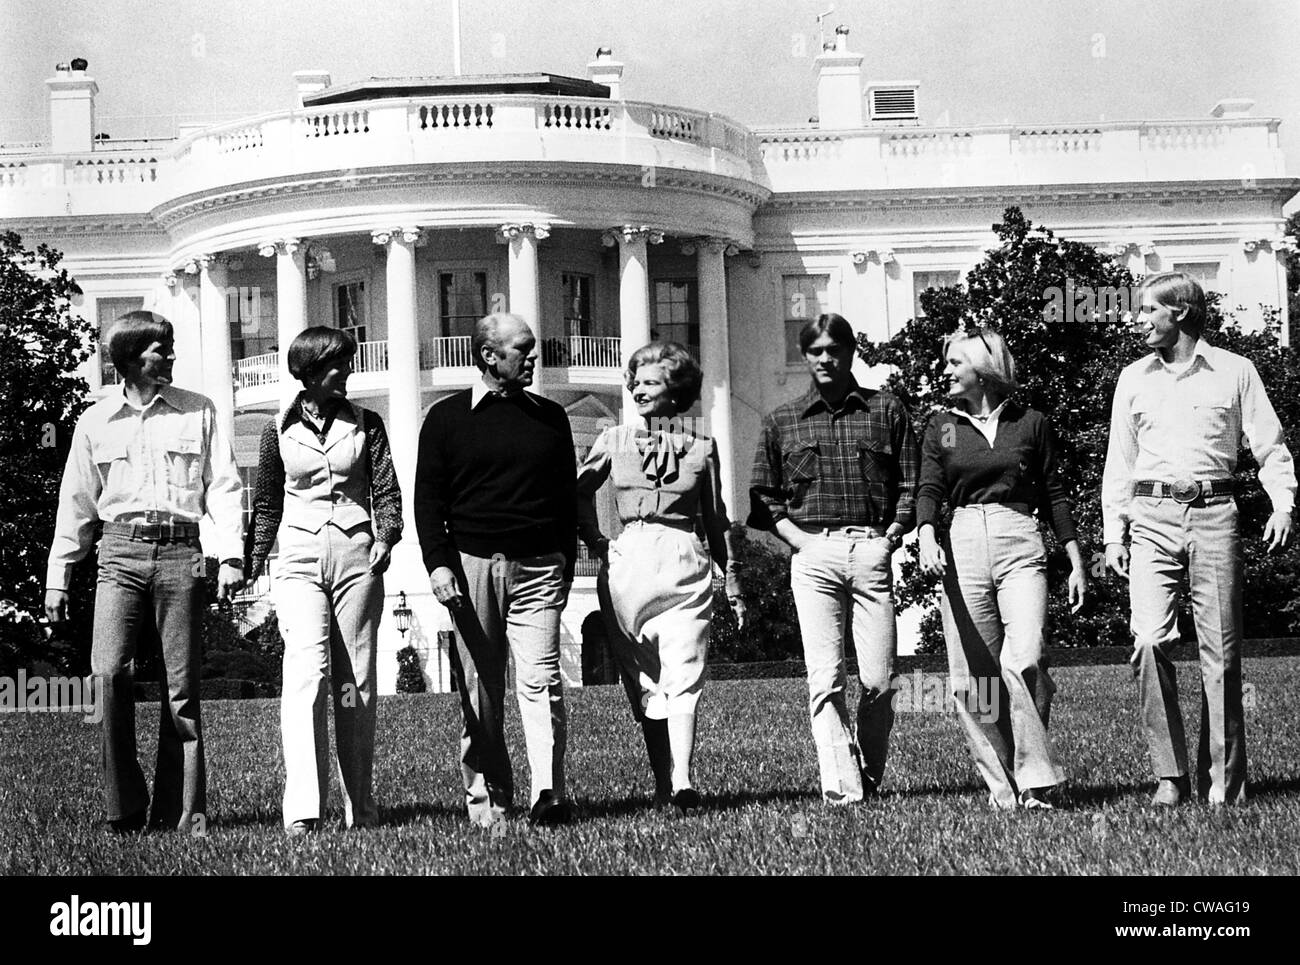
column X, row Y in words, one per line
column 978, row 61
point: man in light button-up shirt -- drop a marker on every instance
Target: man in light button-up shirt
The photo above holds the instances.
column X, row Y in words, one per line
column 1178, row 419
column 146, row 465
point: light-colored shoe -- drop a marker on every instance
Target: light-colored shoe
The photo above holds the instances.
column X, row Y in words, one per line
column 1171, row 792
column 300, row 829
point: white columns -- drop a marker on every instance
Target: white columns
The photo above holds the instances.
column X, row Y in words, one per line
column 291, row 302
column 525, row 295
column 218, row 379
column 715, row 353
column 633, row 293
column 183, row 313
column 403, row 360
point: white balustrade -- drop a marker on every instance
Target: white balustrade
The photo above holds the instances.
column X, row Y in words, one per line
column 257, row 370
column 928, row 144
column 444, row 353
column 575, row 115
column 1056, row 140
column 114, row 170
column 13, row 175
column 242, row 139
column 591, row 351
column 455, row 115
column 371, row 357
column 335, row 123
column 1183, row 137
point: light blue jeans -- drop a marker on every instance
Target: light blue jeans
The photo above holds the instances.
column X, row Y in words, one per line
column 146, row 588
column 994, row 607
column 843, row 587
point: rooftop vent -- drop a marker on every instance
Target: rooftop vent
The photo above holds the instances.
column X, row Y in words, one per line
column 892, row 103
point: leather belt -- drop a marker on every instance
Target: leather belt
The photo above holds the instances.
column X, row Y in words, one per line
column 876, row 531
column 168, row 532
column 1183, row 490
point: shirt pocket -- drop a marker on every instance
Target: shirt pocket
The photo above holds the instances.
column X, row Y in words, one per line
column 876, row 462
column 1214, row 419
column 184, row 462
column 802, row 468
column 111, row 457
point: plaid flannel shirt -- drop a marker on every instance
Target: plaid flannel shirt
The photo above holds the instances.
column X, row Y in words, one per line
column 856, row 466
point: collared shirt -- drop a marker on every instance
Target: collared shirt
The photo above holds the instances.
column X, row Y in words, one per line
column 988, row 426
column 338, row 472
column 170, row 458
column 854, row 466
column 1167, row 425
column 480, row 391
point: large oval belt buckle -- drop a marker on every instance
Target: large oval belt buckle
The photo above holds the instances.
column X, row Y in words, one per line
column 1185, row 490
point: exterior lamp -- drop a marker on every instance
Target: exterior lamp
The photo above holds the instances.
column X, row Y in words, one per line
column 402, row 614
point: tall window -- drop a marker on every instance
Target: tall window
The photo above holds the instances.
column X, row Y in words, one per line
column 804, row 297
column 577, row 303
column 251, row 311
column 1205, row 272
column 462, row 301
column 677, row 313
column 107, row 311
column 350, row 308
column 922, row 280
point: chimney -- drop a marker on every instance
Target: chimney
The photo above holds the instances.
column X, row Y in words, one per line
column 1233, row 107
column 310, row 81
column 72, row 108
column 608, row 71
column 839, row 84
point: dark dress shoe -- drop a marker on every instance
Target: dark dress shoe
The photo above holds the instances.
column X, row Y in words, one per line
column 131, row 824
column 550, row 810
column 686, row 801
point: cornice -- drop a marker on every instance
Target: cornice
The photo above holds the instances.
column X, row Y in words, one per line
column 115, row 225
column 579, row 176
column 1065, row 195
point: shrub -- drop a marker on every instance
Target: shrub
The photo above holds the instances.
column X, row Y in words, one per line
column 410, row 676
column 772, row 627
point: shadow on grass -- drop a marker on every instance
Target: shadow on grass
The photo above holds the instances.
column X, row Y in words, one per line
column 722, row 801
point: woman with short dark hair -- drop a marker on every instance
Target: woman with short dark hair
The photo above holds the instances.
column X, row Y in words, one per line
column 656, row 581
column 326, row 487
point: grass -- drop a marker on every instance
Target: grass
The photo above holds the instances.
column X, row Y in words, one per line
column 755, row 765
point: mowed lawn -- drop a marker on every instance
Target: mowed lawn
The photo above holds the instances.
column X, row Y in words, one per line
column 756, row 768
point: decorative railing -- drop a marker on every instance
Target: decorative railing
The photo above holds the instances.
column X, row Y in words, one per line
column 916, row 143
column 335, row 123
column 13, row 175
column 446, row 353
column 1184, row 137
column 583, row 351
column 575, row 115
column 257, row 370
column 1056, row 140
column 441, row 115
column 787, row 148
column 371, row 357
column 114, row 170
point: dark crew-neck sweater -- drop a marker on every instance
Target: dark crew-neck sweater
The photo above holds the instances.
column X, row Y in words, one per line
column 499, row 478
column 958, row 465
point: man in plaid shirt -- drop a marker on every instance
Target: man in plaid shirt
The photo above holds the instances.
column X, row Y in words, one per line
column 835, row 476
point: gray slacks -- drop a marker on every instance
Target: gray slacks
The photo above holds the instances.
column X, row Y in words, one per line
column 1170, row 539
column 514, row 609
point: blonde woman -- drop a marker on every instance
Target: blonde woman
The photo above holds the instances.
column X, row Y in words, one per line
column 656, row 584
column 993, row 461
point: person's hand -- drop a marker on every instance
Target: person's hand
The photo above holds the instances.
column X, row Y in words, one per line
column 56, row 606
column 445, row 588
column 1117, row 559
column 1078, row 588
column 932, row 562
column 1277, row 531
column 380, row 556
column 230, row 580
column 739, row 609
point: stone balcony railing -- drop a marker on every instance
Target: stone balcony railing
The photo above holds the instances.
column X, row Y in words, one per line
column 450, row 355
column 938, row 157
column 390, row 132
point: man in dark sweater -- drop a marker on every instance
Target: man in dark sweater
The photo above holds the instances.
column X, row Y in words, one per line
column 495, row 506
